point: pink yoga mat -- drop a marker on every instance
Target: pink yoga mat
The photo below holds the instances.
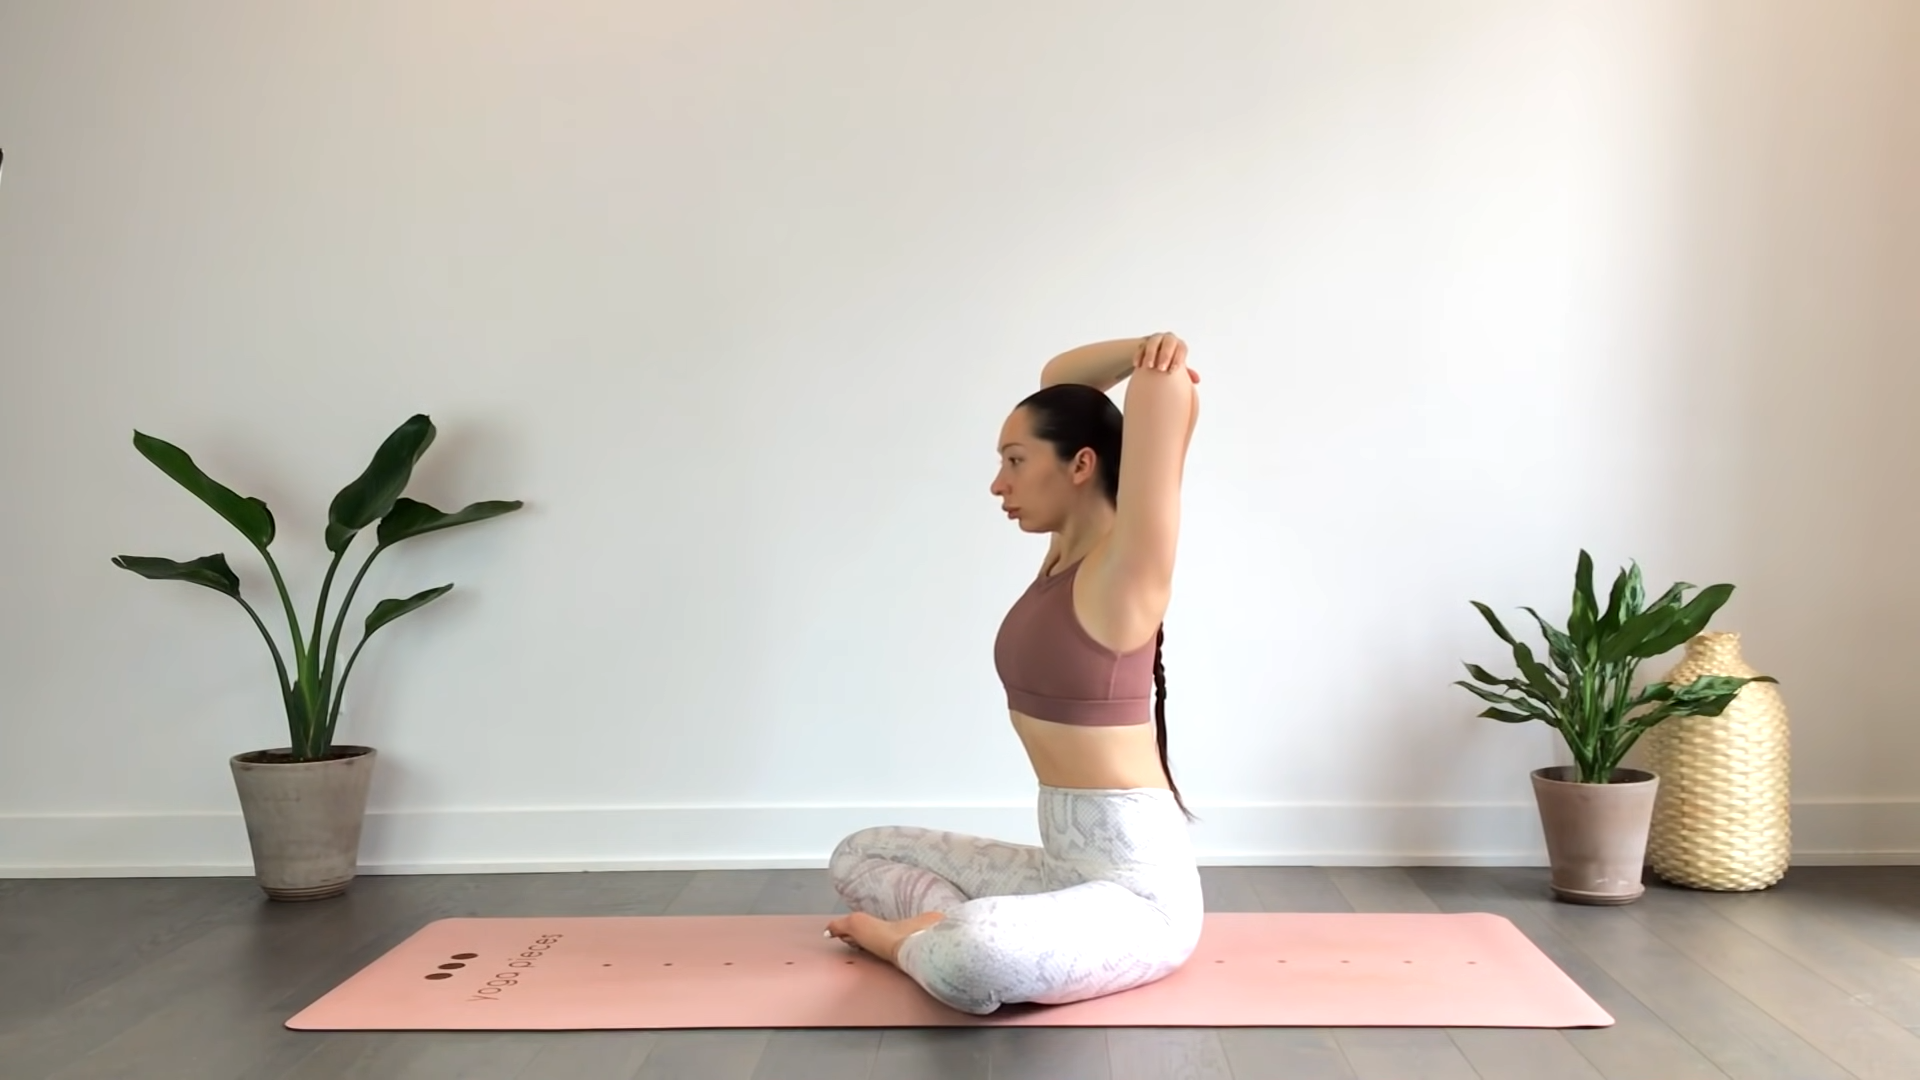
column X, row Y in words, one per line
column 1250, row 970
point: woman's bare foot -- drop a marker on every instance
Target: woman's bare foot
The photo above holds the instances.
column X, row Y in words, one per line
column 878, row 936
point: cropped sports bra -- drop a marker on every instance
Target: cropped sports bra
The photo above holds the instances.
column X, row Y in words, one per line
column 1053, row 669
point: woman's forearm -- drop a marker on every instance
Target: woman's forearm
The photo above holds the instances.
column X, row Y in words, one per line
column 1102, row 364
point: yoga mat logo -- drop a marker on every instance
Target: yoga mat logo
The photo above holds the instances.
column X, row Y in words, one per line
column 512, row 971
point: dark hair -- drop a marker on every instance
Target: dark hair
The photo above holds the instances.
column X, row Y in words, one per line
column 1075, row 417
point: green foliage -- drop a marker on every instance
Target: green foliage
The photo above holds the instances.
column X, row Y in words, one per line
column 1585, row 689
column 312, row 691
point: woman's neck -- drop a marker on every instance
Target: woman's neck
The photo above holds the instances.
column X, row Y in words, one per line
column 1083, row 532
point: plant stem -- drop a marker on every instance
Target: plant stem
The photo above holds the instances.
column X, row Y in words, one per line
column 333, row 715
column 286, row 601
column 306, row 685
column 1622, row 694
column 331, row 708
column 1583, row 735
column 280, row 666
column 320, row 608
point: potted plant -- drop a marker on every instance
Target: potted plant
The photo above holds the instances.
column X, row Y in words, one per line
column 1595, row 813
column 304, row 803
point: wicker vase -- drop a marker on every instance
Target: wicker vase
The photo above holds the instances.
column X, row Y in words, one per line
column 1722, row 817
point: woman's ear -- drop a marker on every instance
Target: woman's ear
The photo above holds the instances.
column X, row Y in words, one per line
column 1084, row 465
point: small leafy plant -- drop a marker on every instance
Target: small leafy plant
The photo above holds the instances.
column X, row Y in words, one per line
column 313, row 691
column 1585, row 691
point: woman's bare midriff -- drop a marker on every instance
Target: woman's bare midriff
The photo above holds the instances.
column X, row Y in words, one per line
column 1073, row 756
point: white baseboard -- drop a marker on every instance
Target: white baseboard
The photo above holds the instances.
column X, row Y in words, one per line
column 784, row 837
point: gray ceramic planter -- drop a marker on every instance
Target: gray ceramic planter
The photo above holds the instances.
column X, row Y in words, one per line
column 304, row 819
column 1596, row 833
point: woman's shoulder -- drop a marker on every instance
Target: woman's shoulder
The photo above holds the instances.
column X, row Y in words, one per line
column 1117, row 608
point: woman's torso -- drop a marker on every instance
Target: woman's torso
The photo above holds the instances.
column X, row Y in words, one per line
column 1067, row 756
column 1073, row 755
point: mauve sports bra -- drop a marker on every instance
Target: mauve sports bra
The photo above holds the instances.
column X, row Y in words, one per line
column 1054, row 670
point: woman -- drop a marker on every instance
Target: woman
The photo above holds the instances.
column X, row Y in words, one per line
column 1110, row 900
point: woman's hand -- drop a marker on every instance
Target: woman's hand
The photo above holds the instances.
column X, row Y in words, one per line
column 1163, row 352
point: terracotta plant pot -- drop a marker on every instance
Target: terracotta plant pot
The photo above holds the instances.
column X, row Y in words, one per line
column 304, row 818
column 1596, row 833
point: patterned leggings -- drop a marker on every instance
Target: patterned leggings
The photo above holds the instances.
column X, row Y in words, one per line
column 1109, row 901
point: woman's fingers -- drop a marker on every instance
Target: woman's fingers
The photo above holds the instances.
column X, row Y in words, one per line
column 1169, row 352
column 1161, row 352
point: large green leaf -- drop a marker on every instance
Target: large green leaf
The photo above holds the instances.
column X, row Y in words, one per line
column 386, row 611
column 210, row 571
column 383, row 613
column 243, row 512
column 1520, row 705
column 1493, row 696
column 1506, row 717
column 1492, row 620
column 1487, row 677
column 1637, row 631
column 1623, row 601
column 1655, row 619
column 1586, row 609
column 372, row 493
column 1708, row 695
column 1536, row 675
column 409, row 518
column 1687, row 622
column 1672, row 596
column 1650, row 693
column 1715, row 691
column 1706, row 707
column 1561, row 649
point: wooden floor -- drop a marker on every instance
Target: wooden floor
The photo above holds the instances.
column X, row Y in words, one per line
column 192, row 978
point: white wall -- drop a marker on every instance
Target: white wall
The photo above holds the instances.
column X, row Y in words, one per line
column 736, row 296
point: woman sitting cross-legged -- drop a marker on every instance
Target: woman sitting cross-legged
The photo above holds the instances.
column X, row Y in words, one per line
column 1110, row 899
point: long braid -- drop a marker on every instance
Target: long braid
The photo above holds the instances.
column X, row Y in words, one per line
column 1160, row 716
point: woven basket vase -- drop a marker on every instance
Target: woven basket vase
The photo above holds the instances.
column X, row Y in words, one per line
column 1722, row 817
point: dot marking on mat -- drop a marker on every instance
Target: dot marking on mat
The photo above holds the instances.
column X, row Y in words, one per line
column 439, row 975
column 465, row 955
column 451, row 967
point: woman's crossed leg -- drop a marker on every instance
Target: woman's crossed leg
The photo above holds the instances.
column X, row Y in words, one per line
column 979, row 923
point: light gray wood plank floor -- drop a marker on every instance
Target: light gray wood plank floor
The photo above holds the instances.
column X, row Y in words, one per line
column 192, row 978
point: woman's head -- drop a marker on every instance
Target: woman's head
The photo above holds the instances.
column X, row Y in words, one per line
column 1058, row 448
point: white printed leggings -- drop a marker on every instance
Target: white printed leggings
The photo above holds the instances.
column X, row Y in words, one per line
column 1110, row 900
